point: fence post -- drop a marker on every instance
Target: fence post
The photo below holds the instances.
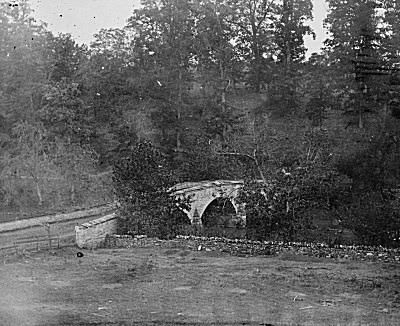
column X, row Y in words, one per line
column 47, row 226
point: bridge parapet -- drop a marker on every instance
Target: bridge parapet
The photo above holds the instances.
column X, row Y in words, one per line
column 203, row 193
column 187, row 187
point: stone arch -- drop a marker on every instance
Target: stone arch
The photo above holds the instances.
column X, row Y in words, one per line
column 207, row 203
column 202, row 194
column 220, row 205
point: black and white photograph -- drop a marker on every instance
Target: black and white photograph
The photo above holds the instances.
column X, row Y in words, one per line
column 199, row 162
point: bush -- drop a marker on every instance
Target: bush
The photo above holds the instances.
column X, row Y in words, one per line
column 374, row 219
column 271, row 212
column 372, row 212
column 281, row 209
column 260, row 222
column 142, row 184
column 376, row 167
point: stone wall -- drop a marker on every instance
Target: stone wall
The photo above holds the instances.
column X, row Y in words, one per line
column 92, row 234
column 57, row 218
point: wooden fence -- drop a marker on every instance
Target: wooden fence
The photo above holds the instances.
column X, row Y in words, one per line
column 56, row 218
column 46, row 232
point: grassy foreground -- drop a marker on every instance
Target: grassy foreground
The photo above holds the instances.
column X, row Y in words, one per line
column 161, row 286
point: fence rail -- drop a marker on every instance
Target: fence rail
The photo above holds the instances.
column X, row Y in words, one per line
column 46, row 232
column 56, row 218
column 37, row 242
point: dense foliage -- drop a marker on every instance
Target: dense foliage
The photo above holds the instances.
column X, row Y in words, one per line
column 374, row 218
column 142, row 183
column 281, row 208
column 223, row 89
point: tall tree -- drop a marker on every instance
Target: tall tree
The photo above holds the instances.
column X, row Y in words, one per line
column 353, row 45
column 218, row 60
column 64, row 56
column 163, row 33
column 392, row 42
column 23, row 68
column 291, row 28
column 107, row 91
column 28, row 159
column 253, row 22
column 23, row 72
column 317, row 85
column 63, row 113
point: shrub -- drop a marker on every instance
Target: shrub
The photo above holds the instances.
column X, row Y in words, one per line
column 374, row 219
column 271, row 212
column 142, row 183
column 372, row 211
column 375, row 167
column 281, row 209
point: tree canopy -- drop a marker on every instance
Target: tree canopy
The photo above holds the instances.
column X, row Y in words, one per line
column 223, row 89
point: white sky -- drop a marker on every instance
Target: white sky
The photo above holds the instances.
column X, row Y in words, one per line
column 320, row 12
column 83, row 18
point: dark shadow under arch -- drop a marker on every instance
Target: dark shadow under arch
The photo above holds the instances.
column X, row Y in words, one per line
column 219, row 213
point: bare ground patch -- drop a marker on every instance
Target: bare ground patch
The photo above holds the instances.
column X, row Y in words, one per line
column 154, row 286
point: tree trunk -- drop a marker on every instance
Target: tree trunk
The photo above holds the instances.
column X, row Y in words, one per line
column 38, row 192
column 223, row 97
column 179, row 112
column 385, row 113
column 73, row 193
column 260, row 171
column 287, row 8
column 360, row 115
column 256, row 61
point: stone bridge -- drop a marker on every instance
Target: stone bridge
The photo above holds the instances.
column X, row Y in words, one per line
column 203, row 193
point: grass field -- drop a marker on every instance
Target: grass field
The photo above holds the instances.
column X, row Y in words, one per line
column 160, row 286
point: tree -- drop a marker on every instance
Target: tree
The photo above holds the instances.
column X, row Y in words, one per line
column 76, row 164
column 29, row 159
column 317, row 89
column 63, row 113
column 23, row 68
column 109, row 93
column 201, row 162
column 163, row 35
column 353, row 48
column 391, row 45
column 252, row 21
column 142, row 185
column 375, row 168
column 291, row 29
column 300, row 179
column 41, row 108
column 23, row 72
column 288, row 72
column 392, row 40
column 64, row 56
column 68, row 127
column 217, row 58
column 281, row 209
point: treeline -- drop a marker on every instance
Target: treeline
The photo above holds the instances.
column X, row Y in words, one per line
column 221, row 87
column 70, row 111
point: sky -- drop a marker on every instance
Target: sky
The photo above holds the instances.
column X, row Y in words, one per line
column 83, row 18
